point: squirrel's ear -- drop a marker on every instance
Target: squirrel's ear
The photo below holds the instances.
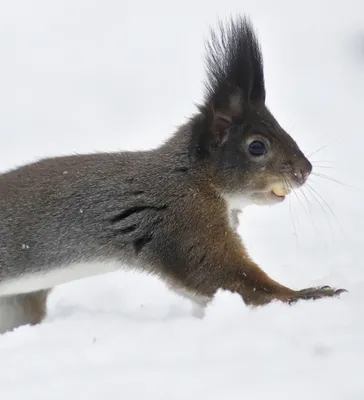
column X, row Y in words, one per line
column 235, row 78
column 224, row 107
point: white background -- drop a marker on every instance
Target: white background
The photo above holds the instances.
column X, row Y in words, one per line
column 80, row 76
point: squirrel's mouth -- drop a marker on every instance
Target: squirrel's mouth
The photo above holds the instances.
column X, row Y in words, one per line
column 275, row 194
column 280, row 191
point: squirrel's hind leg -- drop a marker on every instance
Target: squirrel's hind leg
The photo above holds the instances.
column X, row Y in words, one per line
column 22, row 309
column 199, row 302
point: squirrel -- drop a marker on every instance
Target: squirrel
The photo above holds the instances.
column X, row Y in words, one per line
column 171, row 211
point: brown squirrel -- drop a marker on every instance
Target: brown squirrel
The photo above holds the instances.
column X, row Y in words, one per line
column 171, row 211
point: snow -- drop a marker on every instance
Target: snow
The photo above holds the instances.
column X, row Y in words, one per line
column 79, row 76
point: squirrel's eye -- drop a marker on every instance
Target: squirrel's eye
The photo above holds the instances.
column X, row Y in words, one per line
column 257, row 148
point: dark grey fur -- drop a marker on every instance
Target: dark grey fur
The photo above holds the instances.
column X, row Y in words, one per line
column 164, row 210
column 90, row 207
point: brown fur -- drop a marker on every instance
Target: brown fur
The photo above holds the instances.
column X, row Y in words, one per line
column 209, row 255
column 170, row 211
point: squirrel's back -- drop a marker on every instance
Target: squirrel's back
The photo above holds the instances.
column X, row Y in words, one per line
column 84, row 208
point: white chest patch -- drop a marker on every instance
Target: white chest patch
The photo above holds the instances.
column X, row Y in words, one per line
column 55, row 276
column 235, row 202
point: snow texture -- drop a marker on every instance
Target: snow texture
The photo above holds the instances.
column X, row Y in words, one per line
column 80, row 76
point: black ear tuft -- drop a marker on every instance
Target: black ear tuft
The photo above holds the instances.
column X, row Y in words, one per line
column 235, row 78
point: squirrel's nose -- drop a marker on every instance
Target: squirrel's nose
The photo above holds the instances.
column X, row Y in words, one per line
column 303, row 170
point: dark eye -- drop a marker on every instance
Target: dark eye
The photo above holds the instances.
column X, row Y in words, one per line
column 257, row 148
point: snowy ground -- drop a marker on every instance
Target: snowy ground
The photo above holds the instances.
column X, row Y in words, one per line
column 80, row 75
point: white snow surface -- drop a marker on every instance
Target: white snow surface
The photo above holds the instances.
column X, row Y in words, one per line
column 80, row 76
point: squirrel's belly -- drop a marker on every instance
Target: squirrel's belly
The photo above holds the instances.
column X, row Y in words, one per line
column 47, row 279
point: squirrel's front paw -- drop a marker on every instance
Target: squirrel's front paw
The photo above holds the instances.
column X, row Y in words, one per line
column 315, row 293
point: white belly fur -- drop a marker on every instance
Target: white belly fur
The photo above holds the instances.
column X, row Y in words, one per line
column 57, row 276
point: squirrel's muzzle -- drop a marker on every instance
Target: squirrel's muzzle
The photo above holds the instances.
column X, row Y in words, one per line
column 302, row 170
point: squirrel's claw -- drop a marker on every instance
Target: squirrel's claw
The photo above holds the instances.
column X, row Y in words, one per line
column 315, row 293
column 339, row 291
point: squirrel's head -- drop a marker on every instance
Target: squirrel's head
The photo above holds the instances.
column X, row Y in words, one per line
column 250, row 154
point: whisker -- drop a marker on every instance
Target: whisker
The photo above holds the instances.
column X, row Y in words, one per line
column 323, row 209
column 329, row 178
column 292, row 211
column 328, row 207
column 319, row 149
column 324, row 166
column 292, row 215
column 309, row 214
column 324, row 146
column 290, row 129
column 323, row 161
column 310, row 208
